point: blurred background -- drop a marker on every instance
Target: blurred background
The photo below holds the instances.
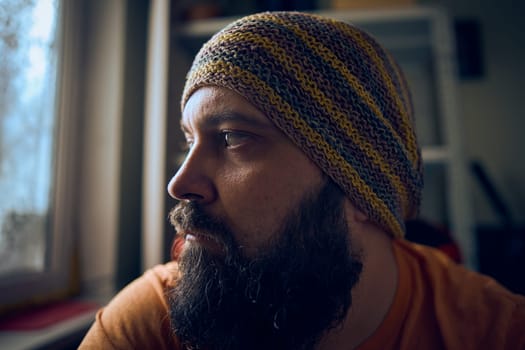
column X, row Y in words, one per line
column 89, row 138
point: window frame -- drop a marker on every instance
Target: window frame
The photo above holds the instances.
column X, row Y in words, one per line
column 57, row 280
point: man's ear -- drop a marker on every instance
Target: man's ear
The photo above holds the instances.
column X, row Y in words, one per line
column 354, row 214
column 360, row 216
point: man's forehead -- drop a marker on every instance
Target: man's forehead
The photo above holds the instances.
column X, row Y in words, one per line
column 213, row 106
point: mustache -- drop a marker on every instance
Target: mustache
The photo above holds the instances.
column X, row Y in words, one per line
column 191, row 218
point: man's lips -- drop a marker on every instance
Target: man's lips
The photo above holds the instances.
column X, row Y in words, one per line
column 194, row 236
column 205, row 240
column 190, row 237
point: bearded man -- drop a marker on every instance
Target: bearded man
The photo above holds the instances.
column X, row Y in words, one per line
column 302, row 167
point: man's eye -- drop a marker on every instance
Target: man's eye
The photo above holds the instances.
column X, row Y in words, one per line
column 234, row 138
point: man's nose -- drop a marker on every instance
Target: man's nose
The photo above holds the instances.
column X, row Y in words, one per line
column 193, row 180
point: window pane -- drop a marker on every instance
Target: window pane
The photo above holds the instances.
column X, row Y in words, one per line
column 28, row 70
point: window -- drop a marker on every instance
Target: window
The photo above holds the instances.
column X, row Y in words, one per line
column 36, row 159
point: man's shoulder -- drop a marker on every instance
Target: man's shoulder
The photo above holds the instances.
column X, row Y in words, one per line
column 151, row 286
column 138, row 316
column 164, row 274
column 147, row 293
column 443, row 275
column 466, row 303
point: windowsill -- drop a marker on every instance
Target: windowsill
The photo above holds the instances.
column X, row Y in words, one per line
column 63, row 334
column 41, row 338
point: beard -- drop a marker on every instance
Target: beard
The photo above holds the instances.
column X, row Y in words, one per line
column 295, row 289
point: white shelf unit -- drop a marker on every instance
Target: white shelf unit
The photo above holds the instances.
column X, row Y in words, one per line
column 421, row 40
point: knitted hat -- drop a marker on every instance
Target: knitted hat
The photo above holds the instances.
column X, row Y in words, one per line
column 336, row 93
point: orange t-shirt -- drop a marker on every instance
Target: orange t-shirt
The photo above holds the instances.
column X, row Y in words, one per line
column 438, row 305
column 442, row 305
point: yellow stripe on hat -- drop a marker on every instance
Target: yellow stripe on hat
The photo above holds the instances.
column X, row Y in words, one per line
column 372, row 53
column 411, row 136
column 329, row 57
column 400, row 78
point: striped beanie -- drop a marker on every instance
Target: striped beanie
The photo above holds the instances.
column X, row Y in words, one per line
column 336, row 93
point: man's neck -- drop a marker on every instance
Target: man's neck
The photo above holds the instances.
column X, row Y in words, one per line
column 374, row 294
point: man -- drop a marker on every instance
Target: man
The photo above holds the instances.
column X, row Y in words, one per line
column 301, row 170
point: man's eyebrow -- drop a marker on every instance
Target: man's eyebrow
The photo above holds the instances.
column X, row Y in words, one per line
column 214, row 120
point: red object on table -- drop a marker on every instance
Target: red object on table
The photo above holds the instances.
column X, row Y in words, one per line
column 45, row 316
